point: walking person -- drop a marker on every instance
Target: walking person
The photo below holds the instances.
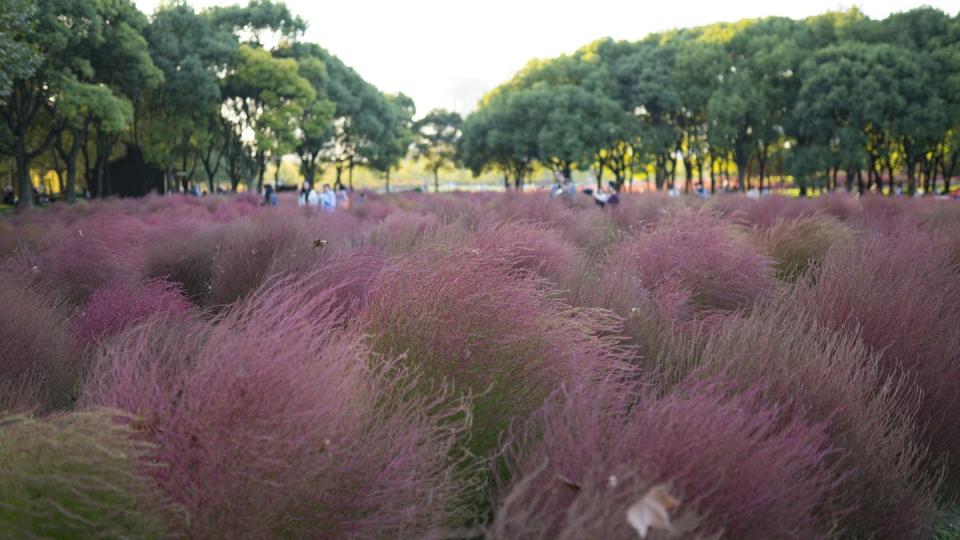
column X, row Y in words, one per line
column 308, row 196
column 269, row 196
column 328, row 199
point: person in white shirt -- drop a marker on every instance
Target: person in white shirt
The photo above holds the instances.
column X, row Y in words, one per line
column 308, row 196
column 328, row 199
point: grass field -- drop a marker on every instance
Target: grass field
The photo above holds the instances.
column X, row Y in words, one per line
column 481, row 364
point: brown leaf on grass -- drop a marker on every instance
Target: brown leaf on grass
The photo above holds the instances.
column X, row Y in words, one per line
column 652, row 511
column 575, row 487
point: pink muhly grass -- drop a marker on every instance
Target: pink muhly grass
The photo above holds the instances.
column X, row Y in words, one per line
column 184, row 254
column 533, row 248
column 464, row 208
column 596, row 449
column 827, row 377
column 763, row 212
column 13, row 238
column 466, row 317
column 798, row 243
column 702, row 254
column 651, row 319
column 272, row 423
column 82, row 258
column 885, row 214
column 346, row 278
column 901, row 295
column 942, row 218
column 401, row 232
column 274, row 244
column 842, row 206
column 645, row 209
column 35, row 354
column 121, row 305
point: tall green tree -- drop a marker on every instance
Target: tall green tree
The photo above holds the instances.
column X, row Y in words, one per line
column 435, row 142
column 266, row 97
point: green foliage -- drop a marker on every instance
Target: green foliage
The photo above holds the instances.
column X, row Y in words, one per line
column 763, row 97
column 436, row 139
column 76, row 476
column 17, row 59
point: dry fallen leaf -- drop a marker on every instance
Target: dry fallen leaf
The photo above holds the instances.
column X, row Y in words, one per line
column 652, row 511
column 575, row 487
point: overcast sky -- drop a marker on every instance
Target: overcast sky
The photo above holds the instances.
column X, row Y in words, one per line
column 447, row 53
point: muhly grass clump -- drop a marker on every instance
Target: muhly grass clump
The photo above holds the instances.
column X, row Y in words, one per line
column 533, row 248
column 701, row 253
column 272, row 422
column 818, row 375
column 79, row 475
column 184, row 254
column 275, row 244
column 468, row 317
column 76, row 261
column 401, row 232
column 596, row 449
column 901, row 296
column 369, row 373
column 650, row 318
column 121, row 305
column 763, row 212
column 37, row 362
column 796, row 244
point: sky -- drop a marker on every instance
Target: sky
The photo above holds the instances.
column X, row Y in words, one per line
column 448, row 53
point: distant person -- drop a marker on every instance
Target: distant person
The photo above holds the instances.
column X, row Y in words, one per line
column 569, row 189
column 308, row 196
column 328, row 199
column 601, row 197
column 557, row 189
column 701, row 191
column 9, row 197
column 343, row 198
column 269, row 196
column 613, row 199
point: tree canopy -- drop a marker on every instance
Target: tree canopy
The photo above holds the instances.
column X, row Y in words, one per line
column 875, row 101
column 217, row 93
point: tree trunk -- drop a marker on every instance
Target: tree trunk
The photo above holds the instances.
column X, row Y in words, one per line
column 948, row 170
column 911, row 179
column 762, row 162
column 891, row 190
column 673, row 172
column 261, row 169
column 24, row 186
column 71, row 188
column 436, row 180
